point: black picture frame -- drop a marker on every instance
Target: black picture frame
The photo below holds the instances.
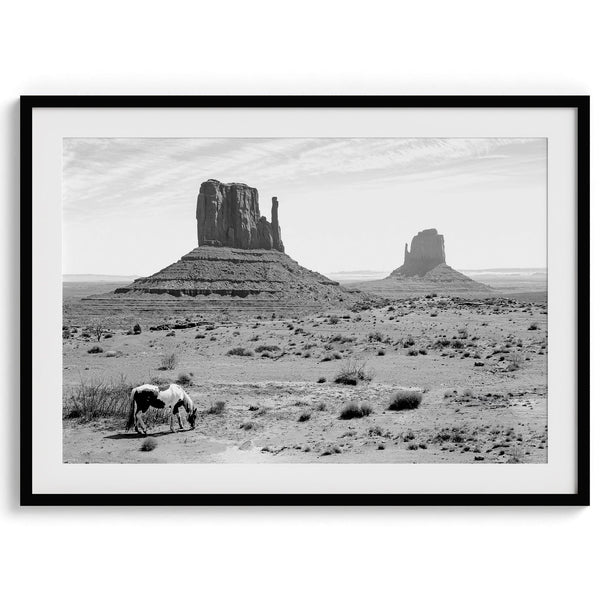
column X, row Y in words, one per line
column 582, row 106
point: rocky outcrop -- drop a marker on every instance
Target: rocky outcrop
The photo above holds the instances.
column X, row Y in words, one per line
column 208, row 273
column 228, row 215
column 426, row 253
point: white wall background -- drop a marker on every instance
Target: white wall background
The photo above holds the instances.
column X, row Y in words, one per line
column 118, row 47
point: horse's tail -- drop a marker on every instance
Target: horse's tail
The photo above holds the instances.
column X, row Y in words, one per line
column 131, row 417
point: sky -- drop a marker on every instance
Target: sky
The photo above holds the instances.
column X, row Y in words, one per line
column 345, row 204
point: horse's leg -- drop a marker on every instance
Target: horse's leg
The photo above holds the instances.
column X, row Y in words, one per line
column 141, row 422
column 176, row 412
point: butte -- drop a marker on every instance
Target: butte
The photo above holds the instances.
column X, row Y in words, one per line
column 424, row 272
column 239, row 263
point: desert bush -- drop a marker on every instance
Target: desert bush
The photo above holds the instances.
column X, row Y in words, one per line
column 533, row 327
column 352, row 410
column 247, row 425
column 375, row 336
column 98, row 398
column 217, row 407
column 408, row 342
column 66, row 334
column 442, row 343
column 352, row 372
column 168, row 362
column 148, row 445
column 96, row 329
column 137, row 329
column 463, row 333
column 334, row 320
column 239, row 351
column 304, row 416
column 515, row 361
column 341, row 339
column 266, row 348
column 95, row 350
column 405, row 400
column 412, row 352
column 321, row 380
column 457, row 344
column 184, row 379
column 381, row 352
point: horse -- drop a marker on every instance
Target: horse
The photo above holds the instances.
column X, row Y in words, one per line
column 147, row 395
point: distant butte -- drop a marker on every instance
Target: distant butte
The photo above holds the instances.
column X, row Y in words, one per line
column 424, row 271
column 426, row 252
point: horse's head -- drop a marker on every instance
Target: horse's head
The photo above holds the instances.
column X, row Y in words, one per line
column 192, row 418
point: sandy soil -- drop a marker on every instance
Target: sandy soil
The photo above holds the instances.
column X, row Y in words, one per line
column 480, row 364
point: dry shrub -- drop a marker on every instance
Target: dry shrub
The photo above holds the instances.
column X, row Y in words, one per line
column 95, row 350
column 217, row 407
column 405, row 400
column 352, row 410
column 353, row 372
column 148, row 445
column 239, row 351
column 168, row 362
column 266, row 348
column 184, row 379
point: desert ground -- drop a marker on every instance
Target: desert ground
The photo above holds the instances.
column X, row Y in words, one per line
column 265, row 382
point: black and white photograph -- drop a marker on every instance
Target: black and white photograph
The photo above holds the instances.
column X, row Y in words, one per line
column 305, row 300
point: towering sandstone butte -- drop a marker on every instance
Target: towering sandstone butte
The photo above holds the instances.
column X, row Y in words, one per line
column 228, row 214
column 426, row 253
column 239, row 255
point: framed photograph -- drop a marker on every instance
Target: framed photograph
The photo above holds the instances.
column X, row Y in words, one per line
column 302, row 300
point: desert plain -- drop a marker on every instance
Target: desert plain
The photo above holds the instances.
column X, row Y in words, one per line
column 264, row 380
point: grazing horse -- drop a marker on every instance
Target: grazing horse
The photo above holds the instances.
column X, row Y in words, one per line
column 147, row 395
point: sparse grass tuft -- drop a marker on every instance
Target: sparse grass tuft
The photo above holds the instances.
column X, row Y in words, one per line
column 405, row 400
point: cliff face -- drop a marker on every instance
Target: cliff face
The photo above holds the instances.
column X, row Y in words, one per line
column 426, row 253
column 228, row 215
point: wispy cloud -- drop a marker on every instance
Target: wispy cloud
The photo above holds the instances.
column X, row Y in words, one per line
column 114, row 175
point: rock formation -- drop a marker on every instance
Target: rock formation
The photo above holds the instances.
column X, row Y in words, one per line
column 228, row 214
column 424, row 272
column 426, row 253
column 239, row 255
